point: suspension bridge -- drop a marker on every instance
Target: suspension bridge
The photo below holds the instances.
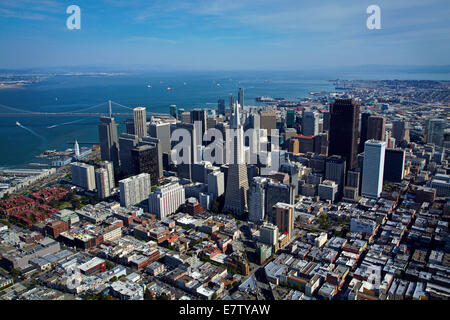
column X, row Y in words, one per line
column 9, row 111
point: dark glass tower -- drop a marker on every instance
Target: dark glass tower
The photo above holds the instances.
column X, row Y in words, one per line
column 344, row 118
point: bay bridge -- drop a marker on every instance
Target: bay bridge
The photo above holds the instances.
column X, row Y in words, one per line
column 9, row 111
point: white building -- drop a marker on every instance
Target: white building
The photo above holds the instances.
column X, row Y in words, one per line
column 140, row 122
column 216, row 183
column 268, row 234
column 134, row 189
column 83, row 175
column 166, row 199
column 102, row 182
column 373, row 168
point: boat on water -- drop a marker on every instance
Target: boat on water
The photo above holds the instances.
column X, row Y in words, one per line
column 149, row 86
column 169, row 88
column 18, row 123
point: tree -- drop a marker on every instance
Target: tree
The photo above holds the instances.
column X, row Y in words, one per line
column 214, row 296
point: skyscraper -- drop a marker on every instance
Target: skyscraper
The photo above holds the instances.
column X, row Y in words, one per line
column 434, row 131
column 335, row 171
column 310, row 124
column 373, row 168
column 343, row 134
column 256, row 200
column 400, row 131
column 108, row 165
column 241, row 97
column 290, row 118
column 394, row 165
column 221, row 106
column 109, row 144
column 277, row 192
column 285, row 218
column 145, row 160
column 376, row 128
column 127, row 142
column 135, row 189
column 173, row 110
column 364, row 128
column 166, row 199
column 237, row 183
column 199, row 115
column 140, row 122
column 83, row 175
column 102, row 183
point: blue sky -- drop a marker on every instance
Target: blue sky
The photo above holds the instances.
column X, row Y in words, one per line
column 224, row 34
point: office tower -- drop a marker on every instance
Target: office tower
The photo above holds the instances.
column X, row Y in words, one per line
column 343, row 133
column 310, row 124
column 394, row 165
column 364, row 130
column 328, row 190
column 277, row 192
column 292, row 170
column 145, row 160
column 294, row 146
column 321, row 143
column 216, row 183
column 351, row 190
column 129, row 126
column 83, row 175
column 185, row 169
column 127, row 142
column 231, row 102
column 166, row 199
column 102, row 183
column 285, row 218
column 155, row 142
column 77, row 150
column 199, row 115
column 268, row 234
column 268, row 121
column 140, row 122
column 376, row 128
column 335, row 171
column 180, row 112
column 221, row 106
column 256, row 199
column 326, row 121
column 373, row 168
column 161, row 130
column 173, row 110
column 305, row 143
column 241, row 97
column 434, row 131
column 290, row 118
column 109, row 145
column 135, row 189
column 237, row 183
column 400, row 131
column 186, row 117
column 108, row 165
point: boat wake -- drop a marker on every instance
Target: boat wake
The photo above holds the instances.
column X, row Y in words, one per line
column 64, row 123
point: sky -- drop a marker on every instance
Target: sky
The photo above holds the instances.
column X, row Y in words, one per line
column 223, row 34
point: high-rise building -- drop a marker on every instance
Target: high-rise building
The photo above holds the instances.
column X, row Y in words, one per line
column 376, row 128
column 285, row 218
column 277, row 192
column 343, row 134
column 434, row 131
column 166, row 199
column 241, row 97
column 145, row 160
column 109, row 144
column 83, row 175
column 102, row 183
column 394, row 165
column 199, row 115
column 328, row 190
column 373, row 168
column 326, row 121
column 185, row 169
column 129, row 126
column 237, row 183
column 221, row 106
column 291, row 169
column 127, row 142
column 108, row 165
column 290, row 118
column 140, row 122
column 400, row 131
column 135, row 189
column 364, row 129
column 173, row 110
column 335, row 171
column 310, row 123
column 256, row 200
column 268, row 121
column 161, row 130
column 216, row 183
column 77, row 150
column 231, row 102
column 268, row 234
